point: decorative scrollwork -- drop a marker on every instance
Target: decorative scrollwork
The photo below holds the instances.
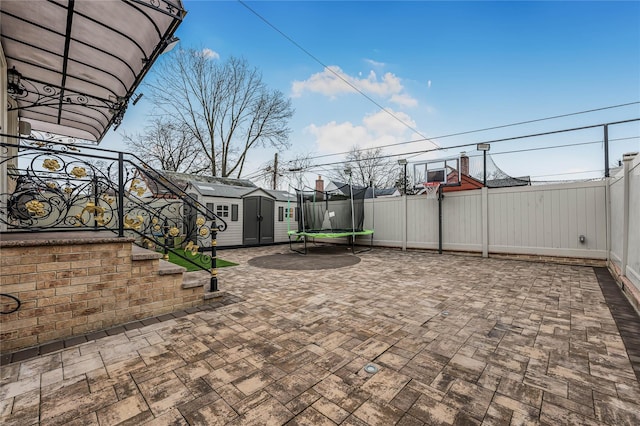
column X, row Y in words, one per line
column 53, row 141
column 51, row 164
column 133, row 223
column 79, row 172
column 65, row 190
column 35, row 208
column 191, row 247
column 136, row 186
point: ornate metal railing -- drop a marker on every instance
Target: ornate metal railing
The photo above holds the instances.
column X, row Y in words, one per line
column 47, row 185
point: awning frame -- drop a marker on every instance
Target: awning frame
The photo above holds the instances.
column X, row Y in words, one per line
column 58, row 103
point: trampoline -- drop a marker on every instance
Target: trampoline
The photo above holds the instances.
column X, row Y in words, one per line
column 337, row 213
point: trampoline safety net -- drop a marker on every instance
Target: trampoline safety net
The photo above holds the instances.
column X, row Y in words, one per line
column 339, row 210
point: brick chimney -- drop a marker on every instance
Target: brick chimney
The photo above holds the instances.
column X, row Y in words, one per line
column 319, row 188
column 464, row 164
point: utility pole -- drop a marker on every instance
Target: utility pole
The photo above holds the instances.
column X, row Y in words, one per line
column 275, row 171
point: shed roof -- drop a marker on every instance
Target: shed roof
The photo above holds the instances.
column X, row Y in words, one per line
column 221, row 190
column 281, row 195
column 185, row 178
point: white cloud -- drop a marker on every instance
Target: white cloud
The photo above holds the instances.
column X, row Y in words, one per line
column 333, row 82
column 375, row 63
column 429, row 84
column 375, row 130
column 210, row 54
column 404, row 100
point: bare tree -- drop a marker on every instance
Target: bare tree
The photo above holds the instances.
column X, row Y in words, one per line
column 167, row 145
column 225, row 105
column 367, row 167
column 290, row 173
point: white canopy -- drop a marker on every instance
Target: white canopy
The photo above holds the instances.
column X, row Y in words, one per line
column 79, row 61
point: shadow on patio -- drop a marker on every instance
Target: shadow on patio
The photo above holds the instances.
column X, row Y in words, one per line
column 454, row 339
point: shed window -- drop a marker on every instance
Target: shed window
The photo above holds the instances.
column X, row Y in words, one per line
column 234, row 212
column 280, row 214
column 222, row 210
column 210, row 208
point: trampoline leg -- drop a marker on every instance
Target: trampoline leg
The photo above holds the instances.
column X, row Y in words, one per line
column 298, row 251
column 366, row 249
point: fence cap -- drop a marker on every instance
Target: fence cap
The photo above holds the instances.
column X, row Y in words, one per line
column 629, row 156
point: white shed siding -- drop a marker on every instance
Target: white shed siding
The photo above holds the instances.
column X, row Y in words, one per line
column 281, row 228
column 232, row 236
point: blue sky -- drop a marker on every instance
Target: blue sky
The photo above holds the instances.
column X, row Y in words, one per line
column 441, row 68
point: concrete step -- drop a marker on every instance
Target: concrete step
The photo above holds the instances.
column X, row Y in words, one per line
column 196, row 279
column 168, row 268
column 139, row 253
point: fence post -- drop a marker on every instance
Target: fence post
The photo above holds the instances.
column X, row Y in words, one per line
column 213, row 284
column 627, row 159
column 165, row 231
column 120, row 194
column 606, row 150
column 485, row 220
column 96, row 199
column 404, row 221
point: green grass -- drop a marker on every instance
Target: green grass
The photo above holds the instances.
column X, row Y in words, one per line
column 175, row 259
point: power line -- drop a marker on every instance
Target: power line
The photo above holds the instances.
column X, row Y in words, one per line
column 554, row 147
column 493, row 141
column 425, row 138
column 482, row 130
column 354, row 87
column 569, row 173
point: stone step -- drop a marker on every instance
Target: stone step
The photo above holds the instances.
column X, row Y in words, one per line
column 196, row 279
column 168, row 268
column 139, row 253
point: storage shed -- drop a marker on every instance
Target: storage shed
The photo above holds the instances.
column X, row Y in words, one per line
column 254, row 216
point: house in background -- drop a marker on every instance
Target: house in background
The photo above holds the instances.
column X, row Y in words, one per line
column 370, row 192
column 468, row 182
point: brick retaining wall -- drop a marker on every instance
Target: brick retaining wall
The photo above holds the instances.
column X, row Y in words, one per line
column 71, row 287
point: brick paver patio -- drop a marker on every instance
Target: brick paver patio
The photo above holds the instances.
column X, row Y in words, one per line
column 455, row 339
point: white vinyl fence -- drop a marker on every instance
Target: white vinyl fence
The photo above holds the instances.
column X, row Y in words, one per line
column 537, row 220
column 625, row 219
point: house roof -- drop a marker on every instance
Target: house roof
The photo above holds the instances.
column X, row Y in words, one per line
column 508, row 181
column 80, row 61
column 380, row 192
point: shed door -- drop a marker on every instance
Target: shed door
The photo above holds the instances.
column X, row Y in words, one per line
column 257, row 220
column 266, row 220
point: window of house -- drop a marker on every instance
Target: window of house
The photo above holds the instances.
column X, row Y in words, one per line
column 234, row 212
column 222, row 210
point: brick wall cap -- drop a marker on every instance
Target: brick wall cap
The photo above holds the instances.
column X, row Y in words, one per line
column 59, row 239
